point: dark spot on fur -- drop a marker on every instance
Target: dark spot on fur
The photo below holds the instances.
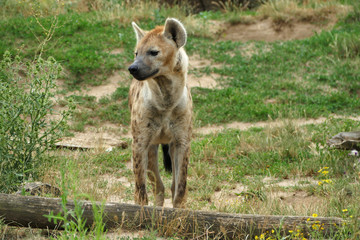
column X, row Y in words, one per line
column 182, row 189
column 140, row 190
column 140, row 187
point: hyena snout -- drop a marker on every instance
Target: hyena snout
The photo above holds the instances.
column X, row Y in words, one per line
column 141, row 71
column 133, row 69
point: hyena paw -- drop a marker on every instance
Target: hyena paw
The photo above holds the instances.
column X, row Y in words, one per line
column 159, row 201
column 141, row 199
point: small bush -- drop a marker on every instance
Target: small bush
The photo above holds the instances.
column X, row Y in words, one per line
column 26, row 131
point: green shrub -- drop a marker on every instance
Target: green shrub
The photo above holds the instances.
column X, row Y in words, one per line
column 26, row 130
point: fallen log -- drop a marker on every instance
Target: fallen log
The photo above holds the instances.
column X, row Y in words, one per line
column 62, row 145
column 30, row 211
column 345, row 140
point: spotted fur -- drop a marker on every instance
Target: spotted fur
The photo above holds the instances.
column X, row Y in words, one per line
column 161, row 109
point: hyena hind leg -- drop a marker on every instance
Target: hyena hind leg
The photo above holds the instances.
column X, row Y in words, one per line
column 180, row 160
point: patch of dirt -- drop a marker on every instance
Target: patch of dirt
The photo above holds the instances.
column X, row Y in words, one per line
column 246, row 125
column 206, row 81
column 119, row 78
column 269, row 181
column 266, row 30
column 124, row 181
column 297, row 200
column 196, row 77
column 224, row 198
column 109, row 135
column 112, row 83
column 117, row 51
column 123, row 234
column 118, row 186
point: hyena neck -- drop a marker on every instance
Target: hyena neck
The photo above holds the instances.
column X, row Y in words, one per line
column 168, row 90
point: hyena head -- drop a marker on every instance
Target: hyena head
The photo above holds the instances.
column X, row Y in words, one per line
column 156, row 51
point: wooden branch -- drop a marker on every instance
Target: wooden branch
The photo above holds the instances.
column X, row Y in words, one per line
column 29, row 211
column 345, row 140
column 61, row 145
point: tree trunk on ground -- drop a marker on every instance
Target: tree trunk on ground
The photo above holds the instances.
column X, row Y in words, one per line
column 345, row 140
column 29, row 211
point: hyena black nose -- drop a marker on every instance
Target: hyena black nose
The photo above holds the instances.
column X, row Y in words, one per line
column 133, row 69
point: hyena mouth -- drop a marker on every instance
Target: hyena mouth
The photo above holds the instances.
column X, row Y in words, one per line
column 139, row 76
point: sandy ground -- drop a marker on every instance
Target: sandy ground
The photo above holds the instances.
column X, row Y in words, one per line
column 266, row 31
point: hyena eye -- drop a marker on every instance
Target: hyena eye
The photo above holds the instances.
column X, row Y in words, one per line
column 154, row 53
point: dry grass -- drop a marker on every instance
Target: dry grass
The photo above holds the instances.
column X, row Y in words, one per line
column 287, row 11
column 123, row 12
column 43, row 7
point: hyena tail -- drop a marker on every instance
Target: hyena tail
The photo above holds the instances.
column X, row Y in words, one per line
column 167, row 158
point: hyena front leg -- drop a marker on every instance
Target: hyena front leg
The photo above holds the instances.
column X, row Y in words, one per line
column 154, row 175
column 140, row 160
column 180, row 159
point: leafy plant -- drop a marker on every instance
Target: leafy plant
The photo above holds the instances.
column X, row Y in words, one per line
column 26, row 132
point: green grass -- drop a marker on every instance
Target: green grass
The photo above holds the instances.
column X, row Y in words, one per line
column 305, row 76
column 284, row 81
column 232, row 158
column 324, row 67
column 80, row 43
column 91, row 112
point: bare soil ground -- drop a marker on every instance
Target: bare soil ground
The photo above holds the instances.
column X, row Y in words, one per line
column 112, row 83
column 277, row 123
column 277, row 191
column 198, row 79
column 266, row 30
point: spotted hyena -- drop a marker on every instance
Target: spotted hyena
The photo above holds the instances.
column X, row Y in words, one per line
column 161, row 110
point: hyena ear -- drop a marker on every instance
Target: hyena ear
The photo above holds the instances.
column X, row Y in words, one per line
column 174, row 30
column 138, row 31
